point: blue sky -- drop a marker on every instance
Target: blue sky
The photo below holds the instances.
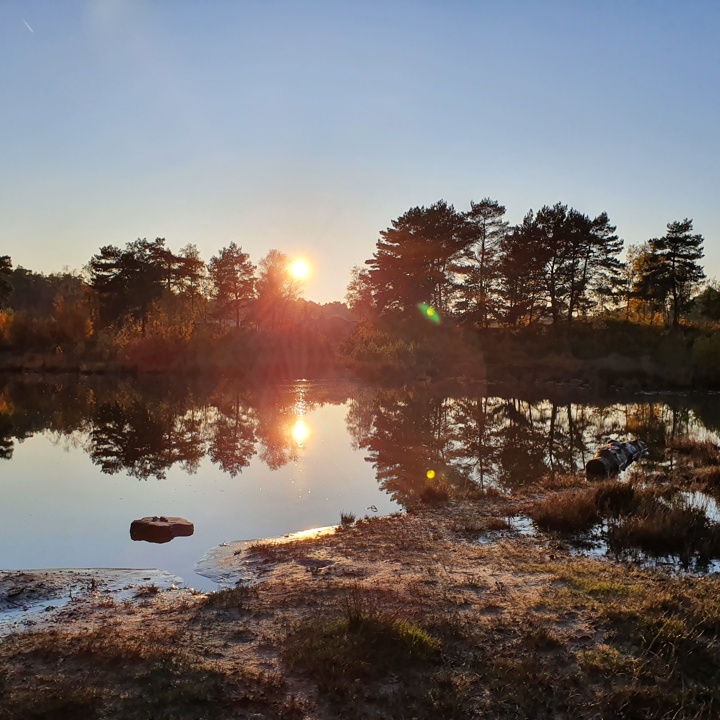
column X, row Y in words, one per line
column 308, row 126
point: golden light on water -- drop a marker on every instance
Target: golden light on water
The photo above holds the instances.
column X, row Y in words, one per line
column 300, row 269
column 300, row 431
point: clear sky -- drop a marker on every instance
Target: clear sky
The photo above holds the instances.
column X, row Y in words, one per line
column 308, row 125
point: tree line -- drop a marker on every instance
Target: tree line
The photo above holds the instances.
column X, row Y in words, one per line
column 554, row 267
column 145, row 284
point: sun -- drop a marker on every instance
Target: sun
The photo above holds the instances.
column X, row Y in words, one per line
column 300, row 269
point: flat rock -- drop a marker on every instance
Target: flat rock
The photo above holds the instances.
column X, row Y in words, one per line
column 160, row 529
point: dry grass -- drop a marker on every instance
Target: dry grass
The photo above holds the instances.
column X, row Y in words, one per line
column 111, row 673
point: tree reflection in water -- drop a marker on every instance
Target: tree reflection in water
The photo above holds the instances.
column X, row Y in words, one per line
column 507, row 442
column 144, row 439
column 6, row 440
column 412, row 436
column 232, row 443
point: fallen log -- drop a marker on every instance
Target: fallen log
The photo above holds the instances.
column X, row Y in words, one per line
column 615, row 457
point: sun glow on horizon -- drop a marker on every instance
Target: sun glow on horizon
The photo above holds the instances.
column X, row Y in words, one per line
column 300, row 269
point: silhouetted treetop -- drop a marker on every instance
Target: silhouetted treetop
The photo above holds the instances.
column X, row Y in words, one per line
column 414, row 259
column 5, row 285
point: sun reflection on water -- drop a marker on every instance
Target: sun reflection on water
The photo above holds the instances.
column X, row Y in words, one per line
column 300, row 431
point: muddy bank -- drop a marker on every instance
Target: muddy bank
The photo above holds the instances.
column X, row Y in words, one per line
column 29, row 598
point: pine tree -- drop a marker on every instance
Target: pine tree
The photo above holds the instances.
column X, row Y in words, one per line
column 233, row 277
column 676, row 270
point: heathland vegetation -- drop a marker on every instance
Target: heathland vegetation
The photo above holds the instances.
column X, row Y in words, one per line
column 446, row 293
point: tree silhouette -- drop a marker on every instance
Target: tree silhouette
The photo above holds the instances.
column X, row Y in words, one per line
column 560, row 261
column 5, row 274
column 129, row 281
column 6, row 438
column 521, row 265
column 415, row 258
column 190, row 275
column 277, row 290
column 233, row 278
column 479, row 260
column 144, row 438
column 674, row 270
column 359, row 297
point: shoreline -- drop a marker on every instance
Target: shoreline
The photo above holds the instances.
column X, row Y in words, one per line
column 481, row 599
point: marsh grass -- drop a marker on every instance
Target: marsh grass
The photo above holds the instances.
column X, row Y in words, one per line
column 658, row 521
column 147, row 591
column 263, row 549
column 703, row 452
column 666, row 527
column 473, row 527
column 567, row 512
column 434, row 494
column 615, row 498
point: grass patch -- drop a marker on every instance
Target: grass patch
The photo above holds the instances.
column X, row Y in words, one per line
column 263, row 549
column 606, row 660
column 615, row 498
column 362, row 645
column 703, row 452
column 567, row 513
column 659, row 655
column 335, row 653
column 106, row 674
column 147, row 591
column 657, row 521
column 472, row 527
column 241, row 597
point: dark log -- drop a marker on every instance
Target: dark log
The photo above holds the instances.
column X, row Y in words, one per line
column 615, row 457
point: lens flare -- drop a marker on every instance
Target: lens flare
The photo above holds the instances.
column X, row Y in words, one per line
column 429, row 312
column 300, row 431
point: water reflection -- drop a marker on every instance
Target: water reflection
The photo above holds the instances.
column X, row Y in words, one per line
column 507, row 442
column 143, row 438
column 412, row 436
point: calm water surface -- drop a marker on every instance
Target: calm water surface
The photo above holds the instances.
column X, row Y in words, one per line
column 80, row 459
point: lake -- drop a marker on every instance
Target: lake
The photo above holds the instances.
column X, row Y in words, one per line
column 82, row 457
